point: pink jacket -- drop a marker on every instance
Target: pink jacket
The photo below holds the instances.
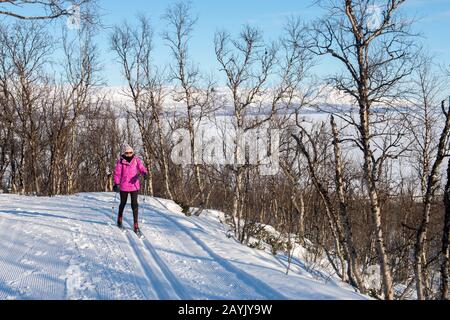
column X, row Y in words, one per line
column 126, row 174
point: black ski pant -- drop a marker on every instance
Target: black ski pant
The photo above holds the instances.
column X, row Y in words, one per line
column 134, row 205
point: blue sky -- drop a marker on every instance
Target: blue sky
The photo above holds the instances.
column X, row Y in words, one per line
column 269, row 15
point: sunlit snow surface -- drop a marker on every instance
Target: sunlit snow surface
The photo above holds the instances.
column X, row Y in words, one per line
column 68, row 247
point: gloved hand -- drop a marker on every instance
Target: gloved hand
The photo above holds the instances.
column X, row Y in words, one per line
column 116, row 188
column 145, row 176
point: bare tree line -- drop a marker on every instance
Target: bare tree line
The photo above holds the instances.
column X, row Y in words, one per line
column 362, row 187
column 46, row 120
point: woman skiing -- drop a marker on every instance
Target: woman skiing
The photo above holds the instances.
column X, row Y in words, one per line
column 126, row 181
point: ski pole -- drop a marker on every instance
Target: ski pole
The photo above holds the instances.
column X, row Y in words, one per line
column 145, row 195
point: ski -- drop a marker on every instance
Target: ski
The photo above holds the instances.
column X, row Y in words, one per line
column 139, row 234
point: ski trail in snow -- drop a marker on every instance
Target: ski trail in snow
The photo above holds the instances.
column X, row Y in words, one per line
column 129, row 275
column 83, row 258
column 148, row 287
column 233, row 281
column 308, row 285
column 248, row 280
column 204, row 277
column 151, row 279
column 165, row 279
column 26, row 263
column 155, row 287
column 6, row 291
column 151, row 262
column 157, row 272
column 176, row 285
column 68, row 247
column 151, row 289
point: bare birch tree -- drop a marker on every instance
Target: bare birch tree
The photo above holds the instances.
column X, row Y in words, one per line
column 197, row 101
column 430, row 149
column 262, row 79
column 27, row 52
column 375, row 57
column 445, row 250
column 68, row 103
column 247, row 63
column 133, row 47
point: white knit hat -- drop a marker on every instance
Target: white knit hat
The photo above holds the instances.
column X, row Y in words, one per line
column 127, row 148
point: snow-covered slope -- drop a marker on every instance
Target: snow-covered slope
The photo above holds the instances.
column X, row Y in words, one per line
column 69, row 248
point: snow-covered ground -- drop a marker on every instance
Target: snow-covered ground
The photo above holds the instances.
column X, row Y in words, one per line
column 69, row 248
